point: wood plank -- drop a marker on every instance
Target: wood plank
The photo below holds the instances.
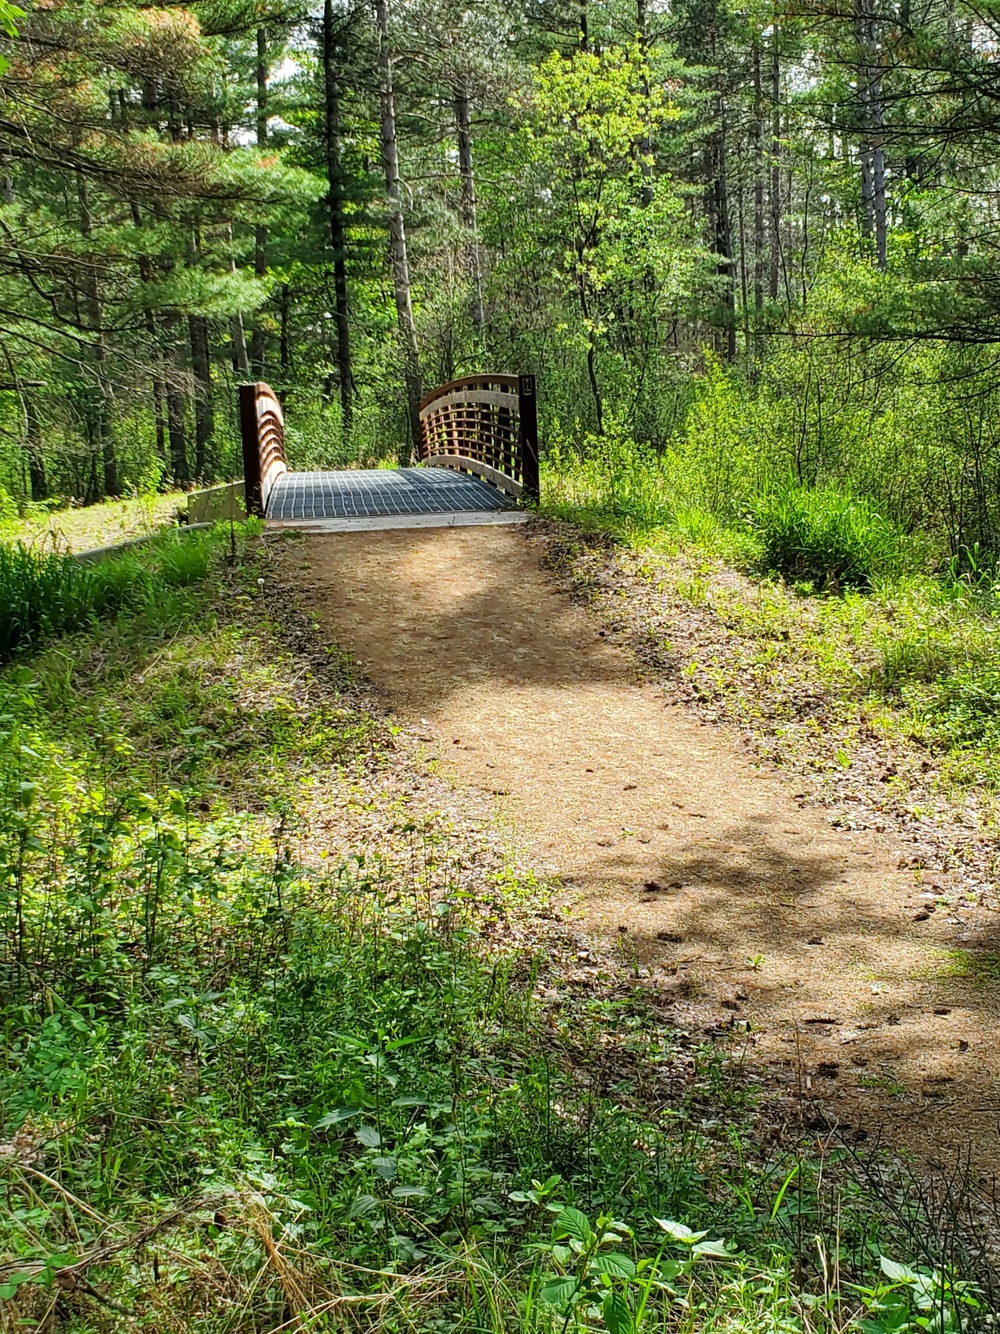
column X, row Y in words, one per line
column 494, row 398
column 468, row 381
column 462, row 463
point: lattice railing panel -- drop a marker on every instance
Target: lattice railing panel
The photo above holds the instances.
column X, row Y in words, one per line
column 485, row 425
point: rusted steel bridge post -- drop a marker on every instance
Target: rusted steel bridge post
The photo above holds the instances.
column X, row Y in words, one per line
column 262, row 431
column 251, row 450
column 527, row 411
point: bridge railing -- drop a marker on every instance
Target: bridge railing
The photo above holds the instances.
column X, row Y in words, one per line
column 262, row 429
column 486, row 425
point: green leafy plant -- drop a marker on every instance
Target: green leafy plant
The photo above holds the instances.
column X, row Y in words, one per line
column 912, row 1300
column 594, row 1279
column 827, row 537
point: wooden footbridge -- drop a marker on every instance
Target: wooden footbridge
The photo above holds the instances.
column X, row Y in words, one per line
column 478, row 463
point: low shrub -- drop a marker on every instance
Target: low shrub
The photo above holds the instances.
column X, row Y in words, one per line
column 829, row 538
column 610, row 480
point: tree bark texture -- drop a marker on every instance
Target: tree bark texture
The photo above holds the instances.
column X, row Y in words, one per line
column 871, row 117
column 463, row 132
column 204, row 421
column 101, row 423
column 335, row 206
column 258, row 336
column 397, row 230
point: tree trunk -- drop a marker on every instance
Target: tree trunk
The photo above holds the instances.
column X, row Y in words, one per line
column 204, row 421
column 758, row 182
column 284, row 339
column 646, row 142
column 33, row 448
column 724, row 236
column 257, row 339
column 177, row 433
column 397, row 230
column 463, row 132
column 103, row 438
column 237, row 333
column 156, row 378
column 241, row 361
column 775, row 187
column 335, row 205
column 582, row 293
column 870, row 116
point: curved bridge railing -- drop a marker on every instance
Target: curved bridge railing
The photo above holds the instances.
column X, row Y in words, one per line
column 486, row 425
column 262, row 430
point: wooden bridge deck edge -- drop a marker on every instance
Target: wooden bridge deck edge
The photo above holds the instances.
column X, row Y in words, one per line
column 374, row 522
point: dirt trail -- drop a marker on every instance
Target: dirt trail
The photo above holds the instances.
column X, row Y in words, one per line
column 741, row 903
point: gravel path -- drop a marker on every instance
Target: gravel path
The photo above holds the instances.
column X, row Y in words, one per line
column 739, row 904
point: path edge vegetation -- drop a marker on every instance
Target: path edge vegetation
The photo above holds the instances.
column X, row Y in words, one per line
column 253, row 1077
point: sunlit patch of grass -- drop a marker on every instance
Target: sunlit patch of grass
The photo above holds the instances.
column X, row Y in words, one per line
column 883, row 1083
column 47, row 593
column 980, row 967
column 917, row 656
column 826, row 538
column 83, row 528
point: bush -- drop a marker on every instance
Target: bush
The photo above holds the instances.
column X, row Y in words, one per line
column 826, row 537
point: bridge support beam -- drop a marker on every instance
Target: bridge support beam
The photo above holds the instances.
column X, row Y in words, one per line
column 262, row 430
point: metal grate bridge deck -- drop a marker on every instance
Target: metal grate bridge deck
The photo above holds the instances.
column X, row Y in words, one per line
column 380, row 493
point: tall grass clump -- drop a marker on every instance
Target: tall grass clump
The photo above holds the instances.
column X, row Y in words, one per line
column 48, row 593
column 827, row 538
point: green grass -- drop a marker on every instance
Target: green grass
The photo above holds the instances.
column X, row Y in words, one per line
column 827, row 539
column 852, row 604
column 50, row 593
column 262, row 1073
column 53, row 527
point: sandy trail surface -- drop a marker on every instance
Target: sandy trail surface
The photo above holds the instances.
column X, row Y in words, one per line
column 740, row 901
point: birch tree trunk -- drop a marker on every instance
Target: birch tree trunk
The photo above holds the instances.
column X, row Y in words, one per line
column 397, row 229
column 871, row 117
column 338, row 230
column 724, row 233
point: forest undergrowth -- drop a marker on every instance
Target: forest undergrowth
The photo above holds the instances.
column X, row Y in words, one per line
column 263, row 1072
